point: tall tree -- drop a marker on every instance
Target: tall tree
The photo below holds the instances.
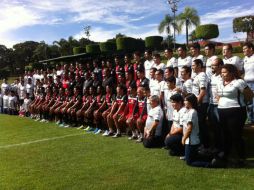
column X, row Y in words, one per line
column 188, row 18
column 166, row 24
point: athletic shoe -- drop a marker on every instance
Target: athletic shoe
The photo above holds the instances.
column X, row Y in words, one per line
column 62, row 125
column 91, row 129
column 58, row 122
column 133, row 137
column 139, row 140
column 95, row 130
column 105, row 133
column 81, row 127
column 67, row 126
column 117, row 135
column 98, row 132
column 87, row 129
column 42, row 120
column 38, row 119
column 182, row 157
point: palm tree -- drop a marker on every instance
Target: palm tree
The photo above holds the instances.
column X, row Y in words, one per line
column 166, row 24
column 188, row 18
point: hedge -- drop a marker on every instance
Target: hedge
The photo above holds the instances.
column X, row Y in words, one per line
column 78, row 50
column 107, row 47
column 207, row 31
column 93, row 48
column 153, row 42
column 4, row 73
column 125, row 44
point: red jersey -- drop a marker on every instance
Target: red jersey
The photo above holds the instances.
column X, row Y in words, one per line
column 131, row 104
column 110, row 98
column 141, row 105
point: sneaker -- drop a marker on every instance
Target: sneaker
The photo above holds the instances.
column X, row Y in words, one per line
column 62, row 125
column 105, row 133
column 87, row 129
column 58, row 122
column 98, row 132
column 139, row 140
column 117, row 135
column 182, row 157
column 67, row 126
column 133, row 137
column 38, row 119
column 95, row 130
column 81, row 127
column 42, row 120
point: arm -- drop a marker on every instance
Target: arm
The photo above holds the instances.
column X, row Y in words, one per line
column 188, row 132
column 201, row 95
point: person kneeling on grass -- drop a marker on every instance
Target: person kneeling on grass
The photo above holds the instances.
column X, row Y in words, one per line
column 152, row 132
column 190, row 138
column 173, row 140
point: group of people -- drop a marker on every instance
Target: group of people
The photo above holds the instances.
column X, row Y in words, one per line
column 194, row 106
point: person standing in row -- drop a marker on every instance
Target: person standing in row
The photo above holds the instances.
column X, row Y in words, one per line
column 183, row 59
column 210, row 54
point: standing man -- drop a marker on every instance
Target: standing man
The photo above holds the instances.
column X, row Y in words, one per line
column 172, row 61
column 183, row 59
column 230, row 59
column 195, row 53
column 210, row 54
column 148, row 63
column 248, row 65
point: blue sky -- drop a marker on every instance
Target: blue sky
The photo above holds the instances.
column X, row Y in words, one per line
column 50, row 20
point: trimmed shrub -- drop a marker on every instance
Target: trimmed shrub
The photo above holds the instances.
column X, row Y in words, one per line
column 78, row 50
column 93, row 48
column 29, row 68
column 125, row 44
column 107, row 47
column 237, row 49
column 207, row 31
column 153, row 42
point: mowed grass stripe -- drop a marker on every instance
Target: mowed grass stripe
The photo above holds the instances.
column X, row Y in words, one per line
column 95, row 162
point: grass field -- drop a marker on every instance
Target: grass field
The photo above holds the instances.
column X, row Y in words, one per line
column 43, row 156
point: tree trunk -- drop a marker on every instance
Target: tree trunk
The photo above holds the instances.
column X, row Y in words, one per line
column 187, row 35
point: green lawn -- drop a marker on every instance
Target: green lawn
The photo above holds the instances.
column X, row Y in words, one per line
column 59, row 158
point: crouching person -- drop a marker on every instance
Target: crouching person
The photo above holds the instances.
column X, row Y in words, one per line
column 153, row 128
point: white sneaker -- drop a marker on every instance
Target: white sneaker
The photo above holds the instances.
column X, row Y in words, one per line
column 38, row 119
column 105, row 133
column 98, row 132
column 58, row 122
column 66, row 126
column 182, row 157
column 81, row 127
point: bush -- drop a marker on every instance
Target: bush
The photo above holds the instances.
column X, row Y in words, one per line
column 207, row 31
column 107, row 47
column 78, row 50
column 218, row 51
column 153, row 42
column 237, row 49
column 93, row 48
column 126, row 44
column 4, row 73
column 29, row 68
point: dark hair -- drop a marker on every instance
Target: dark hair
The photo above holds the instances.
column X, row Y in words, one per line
column 169, row 50
column 177, row 98
column 121, row 86
column 192, row 99
column 141, row 68
column 133, row 85
column 220, row 61
column 195, row 46
column 230, row 47
column 170, row 69
column 198, row 62
column 249, row 45
column 187, row 69
column 171, row 79
column 232, row 70
column 183, row 47
column 157, row 55
column 154, row 69
column 210, row 46
column 149, row 51
column 137, row 53
column 160, row 71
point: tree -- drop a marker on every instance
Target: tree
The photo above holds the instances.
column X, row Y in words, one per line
column 188, row 18
column 87, row 31
column 207, row 31
column 165, row 25
column 244, row 24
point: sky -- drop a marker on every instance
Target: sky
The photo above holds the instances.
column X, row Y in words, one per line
column 50, row 20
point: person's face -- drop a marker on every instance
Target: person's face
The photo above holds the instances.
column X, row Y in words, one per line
column 108, row 90
column 247, row 51
column 167, row 74
column 209, row 52
column 158, row 76
column 147, row 55
column 176, row 105
column 91, row 92
column 109, row 64
column 187, row 104
column 117, row 61
column 126, row 59
column 181, row 52
column 119, row 91
column 184, row 74
column 153, row 103
column 226, row 76
column 98, row 90
column 215, row 66
column 152, row 74
column 226, row 52
column 156, row 60
column 171, row 85
column 193, row 51
column 120, row 78
column 136, row 58
column 140, row 74
column 194, row 67
column 168, row 54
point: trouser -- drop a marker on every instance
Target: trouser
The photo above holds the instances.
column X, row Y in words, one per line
column 174, row 143
column 153, row 142
column 203, row 129
column 213, row 117
column 191, row 156
column 232, row 121
column 250, row 108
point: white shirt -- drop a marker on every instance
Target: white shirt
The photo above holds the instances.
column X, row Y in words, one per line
column 158, row 87
column 27, row 102
column 182, row 62
column 208, row 65
column 155, row 114
column 202, row 58
column 234, row 60
column 22, row 92
column 229, row 94
column 5, row 101
column 200, row 81
column 187, row 86
column 12, row 102
column 168, row 103
column 178, row 117
column 248, row 65
column 191, row 115
column 160, row 66
column 29, row 89
column 213, row 91
column 148, row 64
column 4, row 87
column 172, row 62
